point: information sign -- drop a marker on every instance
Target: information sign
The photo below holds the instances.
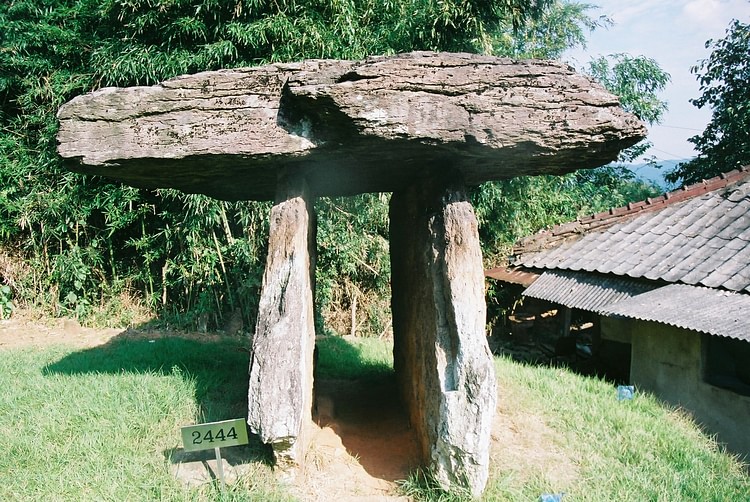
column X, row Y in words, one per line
column 214, row 435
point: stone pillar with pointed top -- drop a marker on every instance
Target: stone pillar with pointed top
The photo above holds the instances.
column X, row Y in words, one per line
column 281, row 363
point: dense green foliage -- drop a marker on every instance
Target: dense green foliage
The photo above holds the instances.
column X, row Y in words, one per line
column 104, row 252
column 725, row 143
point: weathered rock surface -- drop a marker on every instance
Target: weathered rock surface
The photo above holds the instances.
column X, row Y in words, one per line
column 422, row 125
column 351, row 127
column 441, row 357
column 281, row 362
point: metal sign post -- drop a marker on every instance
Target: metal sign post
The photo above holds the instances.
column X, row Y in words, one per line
column 220, row 467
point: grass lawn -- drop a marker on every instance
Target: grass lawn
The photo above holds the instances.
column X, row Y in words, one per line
column 103, row 424
column 635, row 450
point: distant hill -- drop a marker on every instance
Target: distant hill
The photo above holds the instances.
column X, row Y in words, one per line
column 650, row 173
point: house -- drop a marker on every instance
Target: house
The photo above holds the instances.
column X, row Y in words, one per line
column 669, row 280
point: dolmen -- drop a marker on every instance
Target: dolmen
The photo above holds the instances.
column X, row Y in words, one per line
column 424, row 126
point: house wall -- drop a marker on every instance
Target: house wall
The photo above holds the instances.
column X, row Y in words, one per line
column 668, row 361
column 616, row 329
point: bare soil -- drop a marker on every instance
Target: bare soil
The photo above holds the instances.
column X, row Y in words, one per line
column 361, row 443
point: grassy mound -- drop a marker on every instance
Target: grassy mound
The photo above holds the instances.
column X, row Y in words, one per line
column 103, row 424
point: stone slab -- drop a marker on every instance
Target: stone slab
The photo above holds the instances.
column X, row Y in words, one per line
column 281, row 360
column 441, row 356
column 352, row 126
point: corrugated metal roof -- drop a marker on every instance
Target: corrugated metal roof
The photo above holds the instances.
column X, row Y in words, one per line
column 702, row 240
column 513, row 275
column 721, row 313
column 584, row 291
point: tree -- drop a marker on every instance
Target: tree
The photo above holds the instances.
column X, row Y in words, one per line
column 87, row 240
column 725, row 143
column 562, row 26
column 636, row 81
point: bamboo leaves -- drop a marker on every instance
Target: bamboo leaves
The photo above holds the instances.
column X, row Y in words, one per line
column 191, row 258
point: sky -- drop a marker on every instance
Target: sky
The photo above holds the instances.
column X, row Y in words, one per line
column 674, row 33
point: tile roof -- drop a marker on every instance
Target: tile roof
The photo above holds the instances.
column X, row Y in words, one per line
column 699, row 235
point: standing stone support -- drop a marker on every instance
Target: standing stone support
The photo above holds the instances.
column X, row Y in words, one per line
column 442, row 360
column 281, row 364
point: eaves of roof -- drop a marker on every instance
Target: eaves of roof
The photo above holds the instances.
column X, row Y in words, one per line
column 512, row 275
column 592, row 292
column 706, row 310
column 720, row 313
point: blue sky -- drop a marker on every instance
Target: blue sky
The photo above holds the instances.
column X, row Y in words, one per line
column 673, row 32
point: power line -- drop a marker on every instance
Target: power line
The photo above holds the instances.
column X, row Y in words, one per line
column 678, row 127
column 661, row 161
column 674, row 156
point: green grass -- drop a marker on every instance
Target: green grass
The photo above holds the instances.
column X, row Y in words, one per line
column 619, row 450
column 103, row 424
column 638, row 450
column 354, row 358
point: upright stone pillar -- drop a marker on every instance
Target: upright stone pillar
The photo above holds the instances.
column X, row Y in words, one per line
column 442, row 360
column 281, row 363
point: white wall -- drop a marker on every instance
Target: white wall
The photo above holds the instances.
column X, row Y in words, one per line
column 668, row 361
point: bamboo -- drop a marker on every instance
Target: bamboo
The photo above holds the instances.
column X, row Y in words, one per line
column 353, row 330
column 223, row 269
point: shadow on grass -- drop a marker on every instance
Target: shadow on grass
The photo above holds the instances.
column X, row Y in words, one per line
column 358, row 399
column 218, row 366
column 341, row 359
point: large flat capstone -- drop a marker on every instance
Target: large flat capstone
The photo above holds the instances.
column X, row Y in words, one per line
column 348, row 126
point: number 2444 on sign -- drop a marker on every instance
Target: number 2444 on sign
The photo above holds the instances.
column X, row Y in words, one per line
column 214, row 435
